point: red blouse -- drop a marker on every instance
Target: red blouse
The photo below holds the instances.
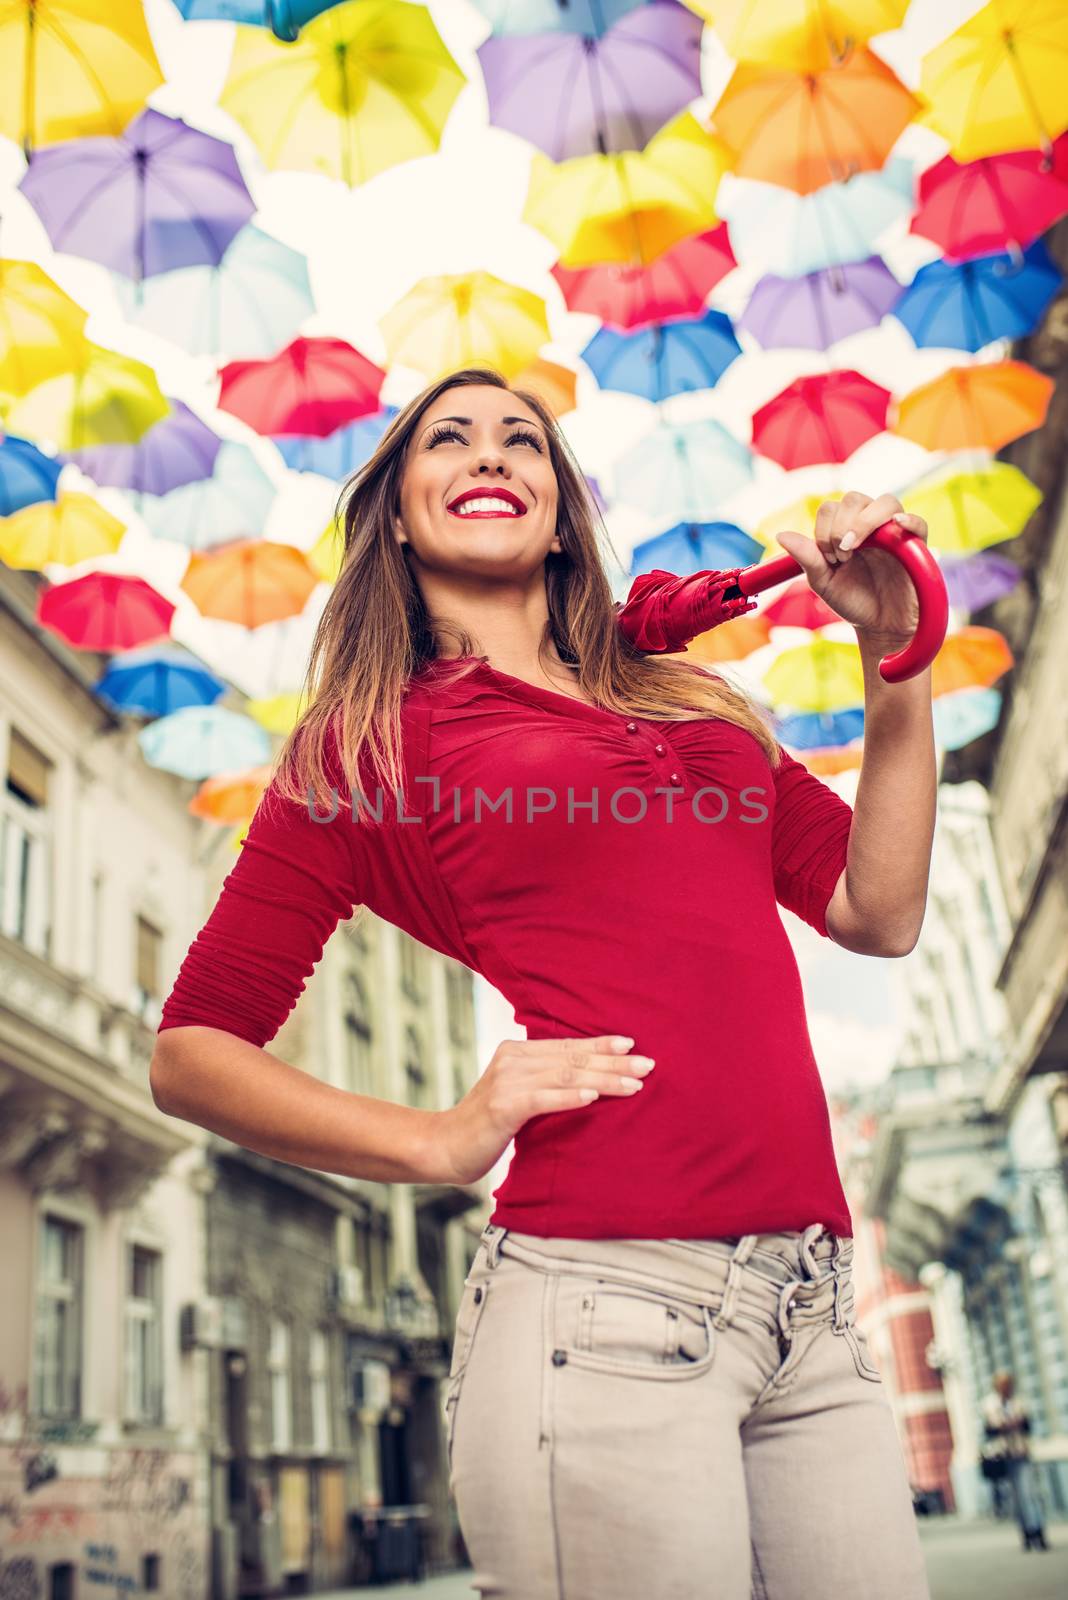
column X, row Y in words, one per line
column 607, row 874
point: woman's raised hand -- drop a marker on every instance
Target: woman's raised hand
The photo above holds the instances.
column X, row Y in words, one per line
column 527, row 1078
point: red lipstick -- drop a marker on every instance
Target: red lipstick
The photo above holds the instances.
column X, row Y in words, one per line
column 506, row 495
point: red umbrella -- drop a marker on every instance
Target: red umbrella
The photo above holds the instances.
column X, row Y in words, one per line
column 996, row 203
column 821, row 418
column 632, row 295
column 311, row 387
column 105, row 611
column 799, row 607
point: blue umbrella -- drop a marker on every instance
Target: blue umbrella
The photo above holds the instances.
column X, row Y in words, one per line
column 342, row 452
column 964, row 305
column 819, row 730
column 683, row 471
column 665, row 358
column 157, row 680
column 285, row 18
column 696, row 547
column 233, row 502
column 964, row 715
column 26, row 476
column 590, row 17
column 202, row 741
column 178, row 449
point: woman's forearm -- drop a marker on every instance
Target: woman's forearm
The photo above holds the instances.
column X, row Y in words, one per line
column 233, row 1088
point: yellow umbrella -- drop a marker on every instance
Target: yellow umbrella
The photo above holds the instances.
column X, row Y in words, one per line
column 970, row 510
column 998, row 82
column 326, row 553
column 366, row 85
column 278, row 713
column 41, row 328
column 66, row 531
column 553, row 384
column 823, row 675
column 631, row 206
column 799, row 515
column 465, row 319
column 107, row 399
column 797, row 33
column 72, row 68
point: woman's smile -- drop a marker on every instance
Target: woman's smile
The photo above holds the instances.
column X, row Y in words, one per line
column 477, row 503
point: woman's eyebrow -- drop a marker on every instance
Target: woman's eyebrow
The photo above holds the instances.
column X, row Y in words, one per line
column 469, row 422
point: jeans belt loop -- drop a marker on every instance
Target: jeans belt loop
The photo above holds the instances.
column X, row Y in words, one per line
column 491, row 1238
column 742, row 1251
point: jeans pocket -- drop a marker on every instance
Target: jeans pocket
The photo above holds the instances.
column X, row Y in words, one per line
column 473, row 1303
column 628, row 1331
column 857, row 1340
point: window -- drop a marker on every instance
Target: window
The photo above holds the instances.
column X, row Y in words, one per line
column 278, row 1368
column 26, row 847
column 415, row 1078
column 457, row 982
column 411, row 967
column 58, row 1324
column 319, row 1373
column 358, row 1055
column 144, row 1335
column 147, row 998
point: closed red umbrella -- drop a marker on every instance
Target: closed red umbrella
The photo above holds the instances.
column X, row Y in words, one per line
column 1004, row 202
column 799, row 606
column 632, row 294
column 821, row 418
column 105, row 611
column 311, row 387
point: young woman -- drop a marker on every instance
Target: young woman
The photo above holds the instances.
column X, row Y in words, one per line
column 658, row 1387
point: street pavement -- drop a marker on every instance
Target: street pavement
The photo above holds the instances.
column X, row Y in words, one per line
column 965, row 1561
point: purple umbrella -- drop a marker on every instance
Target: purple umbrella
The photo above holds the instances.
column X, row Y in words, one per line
column 162, row 195
column 974, row 581
column 573, row 95
column 178, row 449
column 817, row 310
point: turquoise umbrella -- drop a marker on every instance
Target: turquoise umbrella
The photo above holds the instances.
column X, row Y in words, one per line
column 232, row 503
column 593, row 18
column 249, row 306
column 682, row 472
column 964, row 715
column 201, row 741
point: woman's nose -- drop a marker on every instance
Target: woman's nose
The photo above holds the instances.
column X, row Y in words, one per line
column 491, row 462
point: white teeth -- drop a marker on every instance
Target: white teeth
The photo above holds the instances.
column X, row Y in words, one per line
column 487, row 503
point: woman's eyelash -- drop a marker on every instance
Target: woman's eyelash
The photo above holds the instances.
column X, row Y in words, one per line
column 446, row 432
column 526, row 436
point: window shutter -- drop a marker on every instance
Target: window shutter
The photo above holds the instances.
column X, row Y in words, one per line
column 28, row 771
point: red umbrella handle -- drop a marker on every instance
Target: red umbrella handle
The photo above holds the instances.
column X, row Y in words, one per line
column 926, row 575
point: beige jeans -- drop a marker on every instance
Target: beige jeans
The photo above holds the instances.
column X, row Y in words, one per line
column 674, row 1419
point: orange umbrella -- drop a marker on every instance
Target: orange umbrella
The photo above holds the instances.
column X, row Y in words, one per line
column 744, row 635
column 251, row 581
column 550, row 382
column 978, row 407
column 970, row 658
column 824, row 763
column 230, row 797
column 802, row 130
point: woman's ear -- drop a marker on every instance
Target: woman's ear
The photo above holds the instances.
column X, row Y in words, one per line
column 398, row 531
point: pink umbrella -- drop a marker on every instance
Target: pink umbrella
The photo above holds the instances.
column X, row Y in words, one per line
column 997, row 203
column 105, row 611
column 799, row 606
column 311, row 387
column 676, row 284
column 820, row 418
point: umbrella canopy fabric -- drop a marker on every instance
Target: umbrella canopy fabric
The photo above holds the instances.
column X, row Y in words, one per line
column 803, row 129
column 798, row 33
column 249, row 306
column 691, row 547
column 178, row 449
column 975, row 581
column 63, row 531
column 285, row 18
column 815, row 730
column 969, row 510
column 823, row 675
column 814, row 311
column 971, row 658
column 26, row 475
column 250, row 581
column 161, row 195
column 42, row 330
column 550, row 382
column 574, row 95
column 632, row 295
column 965, row 305
column 157, row 680
column 682, row 472
column 105, row 611
column 665, row 359
column 997, row 203
column 338, row 454
column 235, row 500
column 820, row 418
column 979, row 407
column 799, row 606
column 591, row 18
column 312, row 386
column 964, row 715
column 465, row 319
column 368, row 84
column 107, row 398
column 231, row 797
column 774, row 229
column 202, row 741
column 799, row 515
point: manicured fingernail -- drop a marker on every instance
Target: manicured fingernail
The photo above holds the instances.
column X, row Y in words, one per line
column 621, row 1043
column 848, row 541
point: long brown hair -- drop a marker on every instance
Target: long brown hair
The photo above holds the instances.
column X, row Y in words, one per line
column 375, row 630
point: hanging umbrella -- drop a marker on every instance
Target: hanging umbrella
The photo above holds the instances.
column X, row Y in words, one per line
column 799, row 515
column 815, row 311
column 573, row 95
column 996, row 203
column 969, row 510
column 695, row 547
column 975, row 581
column 823, row 675
column 799, row 606
column 465, row 319
column 178, row 449
column 633, row 295
column 339, row 454
column 250, row 305
column 327, row 553
column 285, row 18
column 552, row 383
column 41, row 328
column 202, row 741
column 632, row 206
column 798, row 33
column 231, row 796
column 592, row 18
column 233, row 501
column 161, row 195
column 26, row 476
column 776, row 230
column 312, row 386
column 683, row 471
column 250, row 581
column 63, row 531
column 970, row 658
column 157, row 680
column 278, row 713
column 813, row 730
column 968, row 304
column 665, row 359
column 73, row 67
column 747, row 632
column 803, row 129
column 368, row 84
column 820, row 418
column 978, row 407
column 104, row 611
column 107, row 398
column 997, row 83
column 825, row 763
column 964, row 715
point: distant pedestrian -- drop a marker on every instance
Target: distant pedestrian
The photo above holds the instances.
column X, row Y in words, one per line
column 1007, row 1424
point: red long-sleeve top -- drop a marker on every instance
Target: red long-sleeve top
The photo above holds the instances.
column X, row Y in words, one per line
column 632, row 886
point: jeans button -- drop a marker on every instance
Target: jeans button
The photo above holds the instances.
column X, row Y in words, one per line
column 559, row 1358
column 478, row 1296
